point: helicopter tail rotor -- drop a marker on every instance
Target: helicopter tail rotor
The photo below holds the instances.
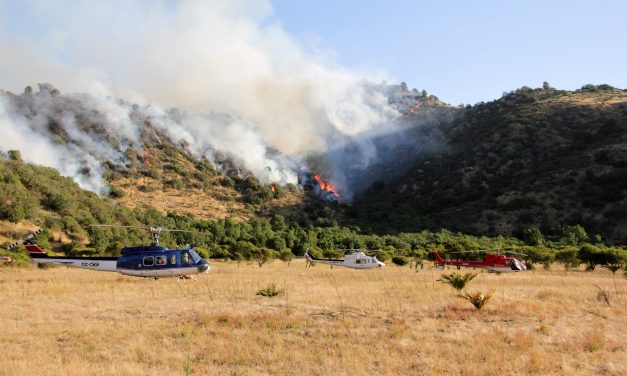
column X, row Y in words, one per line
column 25, row 239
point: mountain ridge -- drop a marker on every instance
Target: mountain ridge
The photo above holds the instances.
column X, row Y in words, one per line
column 496, row 168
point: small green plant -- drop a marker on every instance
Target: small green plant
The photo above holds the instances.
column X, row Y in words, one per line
column 457, row 280
column 270, row 290
column 477, row 298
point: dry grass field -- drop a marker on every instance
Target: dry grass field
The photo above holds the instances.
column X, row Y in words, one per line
column 392, row 321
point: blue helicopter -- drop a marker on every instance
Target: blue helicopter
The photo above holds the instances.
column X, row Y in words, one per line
column 140, row 261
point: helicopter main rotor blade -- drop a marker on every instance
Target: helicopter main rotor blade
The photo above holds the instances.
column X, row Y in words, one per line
column 360, row 250
column 144, row 228
column 516, row 253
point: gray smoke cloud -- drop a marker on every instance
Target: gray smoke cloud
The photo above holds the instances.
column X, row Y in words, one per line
column 29, row 135
column 244, row 86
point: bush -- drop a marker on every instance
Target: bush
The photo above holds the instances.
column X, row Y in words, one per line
column 457, row 280
column 286, row 255
column 204, row 253
column 593, row 256
column 263, row 255
column 400, row 260
column 116, row 192
column 270, row 291
column 569, row 257
column 477, row 298
column 15, row 155
column 533, row 236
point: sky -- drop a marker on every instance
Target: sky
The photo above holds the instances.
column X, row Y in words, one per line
column 470, row 51
column 460, row 51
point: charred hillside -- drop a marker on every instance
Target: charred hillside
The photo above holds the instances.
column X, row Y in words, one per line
column 540, row 158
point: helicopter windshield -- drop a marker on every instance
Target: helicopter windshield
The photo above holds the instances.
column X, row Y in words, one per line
column 195, row 256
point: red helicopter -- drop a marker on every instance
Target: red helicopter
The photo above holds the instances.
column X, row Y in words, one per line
column 496, row 263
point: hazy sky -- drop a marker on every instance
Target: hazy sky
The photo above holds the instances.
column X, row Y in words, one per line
column 461, row 51
column 468, row 51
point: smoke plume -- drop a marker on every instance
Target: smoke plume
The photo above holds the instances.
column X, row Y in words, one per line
column 243, row 85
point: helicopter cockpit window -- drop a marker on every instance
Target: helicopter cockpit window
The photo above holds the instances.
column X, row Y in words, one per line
column 173, row 259
column 186, row 259
column 149, row 261
column 195, row 256
column 160, row 260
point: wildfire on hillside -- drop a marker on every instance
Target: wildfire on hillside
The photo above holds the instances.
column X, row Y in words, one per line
column 326, row 186
column 316, row 184
column 144, row 156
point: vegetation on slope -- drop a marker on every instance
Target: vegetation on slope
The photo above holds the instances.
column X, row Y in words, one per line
column 44, row 199
column 504, row 174
column 535, row 159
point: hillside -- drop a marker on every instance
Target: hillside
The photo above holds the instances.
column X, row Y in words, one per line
column 536, row 158
column 540, row 158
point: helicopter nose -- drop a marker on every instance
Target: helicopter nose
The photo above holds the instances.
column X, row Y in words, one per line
column 203, row 266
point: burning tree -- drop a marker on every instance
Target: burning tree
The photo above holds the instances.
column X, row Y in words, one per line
column 325, row 186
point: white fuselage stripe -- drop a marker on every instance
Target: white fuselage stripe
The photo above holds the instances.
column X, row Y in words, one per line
column 111, row 266
column 340, row 263
column 102, row 265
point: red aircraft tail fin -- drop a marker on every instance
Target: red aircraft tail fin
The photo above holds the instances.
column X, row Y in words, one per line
column 438, row 258
column 34, row 250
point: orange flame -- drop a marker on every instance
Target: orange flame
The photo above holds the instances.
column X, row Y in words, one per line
column 144, row 156
column 273, row 188
column 326, row 186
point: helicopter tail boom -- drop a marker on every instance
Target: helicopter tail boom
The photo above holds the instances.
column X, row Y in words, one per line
column 40, row 256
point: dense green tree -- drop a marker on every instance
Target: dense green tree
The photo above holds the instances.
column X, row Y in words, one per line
column 263, row 255
column 533, row 237
column 593, row 256
column 569, row 257
column 286, row 255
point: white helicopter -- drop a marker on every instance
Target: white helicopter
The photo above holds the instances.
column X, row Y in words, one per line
column 355, row 260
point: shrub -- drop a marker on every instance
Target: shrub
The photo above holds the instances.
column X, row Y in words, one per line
column 477, row 298
column 383, row 256
column 116, row 192
column 593, row 256
column 568, row 257
column 15, row 155
column 286, row 255
column 457, row 280
column 263, row 255
column 400, row 260
column 270, row 290
column 204, row 253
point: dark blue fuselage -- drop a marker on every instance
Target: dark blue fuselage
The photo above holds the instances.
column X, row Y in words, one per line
column 159, row 261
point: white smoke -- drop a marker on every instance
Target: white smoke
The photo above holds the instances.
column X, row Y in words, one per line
column 20, row 133
column 207, row 58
